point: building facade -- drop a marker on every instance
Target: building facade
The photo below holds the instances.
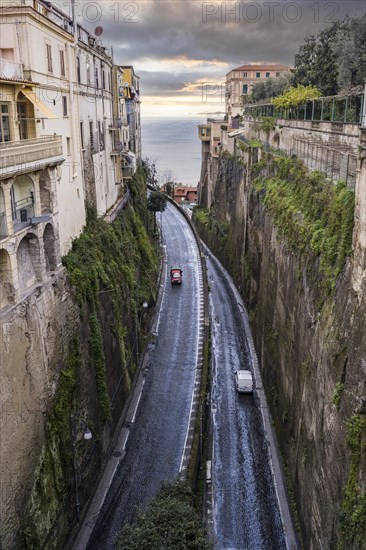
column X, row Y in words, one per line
column 132, row 98
column 240, row 82
column 64, row 138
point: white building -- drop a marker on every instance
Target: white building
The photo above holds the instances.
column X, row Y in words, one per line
column 63, row 131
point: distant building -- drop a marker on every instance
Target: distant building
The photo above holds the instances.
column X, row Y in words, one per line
column 185, row 193
column 241, row 80
column 132, row 98
column 181, row 193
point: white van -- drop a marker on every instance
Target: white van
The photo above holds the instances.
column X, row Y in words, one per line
column 244, row 381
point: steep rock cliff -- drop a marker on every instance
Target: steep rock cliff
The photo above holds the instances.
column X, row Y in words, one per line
column 69, row 356
column 294, row 273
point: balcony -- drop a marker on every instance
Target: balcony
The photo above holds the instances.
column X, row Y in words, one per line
column 204, row 132
column 128, row 171
column 117, row 148
column 24, row 153
column 116, row 124
column 10, row 69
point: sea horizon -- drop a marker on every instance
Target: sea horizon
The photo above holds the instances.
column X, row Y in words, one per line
column 172, row 143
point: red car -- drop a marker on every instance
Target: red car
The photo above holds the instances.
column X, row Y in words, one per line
column 176, row 275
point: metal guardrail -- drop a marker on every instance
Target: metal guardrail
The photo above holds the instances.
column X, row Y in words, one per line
column 345, row 110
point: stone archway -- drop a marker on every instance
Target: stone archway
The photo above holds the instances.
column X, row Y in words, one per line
column 7, row 292
column 29, row 262
column 22, row 201
column 49, row 248
column 45, row 192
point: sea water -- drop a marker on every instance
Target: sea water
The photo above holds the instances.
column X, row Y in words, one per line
column 174, row 144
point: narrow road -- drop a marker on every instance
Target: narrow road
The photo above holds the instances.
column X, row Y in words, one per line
column 156, row 442
column 245, row 515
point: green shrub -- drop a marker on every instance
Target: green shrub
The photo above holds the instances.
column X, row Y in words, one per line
column 170, row 522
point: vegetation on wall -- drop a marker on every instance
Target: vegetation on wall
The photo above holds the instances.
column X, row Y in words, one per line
column 354, row 501
column 51, row 484
column 170, row 521
column 116, row 258
column 314, row 216
column 109, row 266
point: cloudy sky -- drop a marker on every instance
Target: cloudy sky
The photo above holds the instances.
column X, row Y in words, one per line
column 182, row 49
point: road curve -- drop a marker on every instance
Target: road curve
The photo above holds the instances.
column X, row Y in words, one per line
column 245, row 511
column 157, row 437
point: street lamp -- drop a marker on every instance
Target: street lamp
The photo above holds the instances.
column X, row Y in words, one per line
column 87, row 436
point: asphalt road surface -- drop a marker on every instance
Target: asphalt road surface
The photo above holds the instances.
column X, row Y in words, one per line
column 156, row 442
column 245, row 511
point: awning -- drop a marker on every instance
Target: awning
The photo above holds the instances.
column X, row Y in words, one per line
column 33, row 98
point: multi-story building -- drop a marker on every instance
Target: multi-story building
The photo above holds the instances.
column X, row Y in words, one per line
column 40, row 183
column 241, row 80
column 132, row 97
column 63, row 138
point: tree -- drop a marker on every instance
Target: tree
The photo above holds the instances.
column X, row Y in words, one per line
column 350, row 50
column 149, row 166
column 271, row 87
column 170, row 521
column 156, row 203
column 295, row 96
column 316, row 61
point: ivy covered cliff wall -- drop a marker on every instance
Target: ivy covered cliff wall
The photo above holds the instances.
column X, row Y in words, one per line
column 286, row 237
column 111, row 271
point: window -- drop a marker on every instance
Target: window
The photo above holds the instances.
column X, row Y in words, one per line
column 91, row 136
column 68, row 147
column 82, row 134
column 4, row 123
column 49, row 58
column 78, row 69
column 245, row 75
column 268, row 75
column 62, row 63
column 96, row 77
column 64, row 105
column 22, row 119
column 103, row 79
column 245, row 89
column 257, row 75
column 88, row 71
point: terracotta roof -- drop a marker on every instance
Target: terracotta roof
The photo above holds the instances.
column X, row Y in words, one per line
column 15, row 79
column 262, row 67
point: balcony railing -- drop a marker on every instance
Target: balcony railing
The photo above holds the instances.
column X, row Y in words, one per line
column 18, row 153
column 11, row 69
column 128, row 171
column 22, row 212
column 3, row 226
